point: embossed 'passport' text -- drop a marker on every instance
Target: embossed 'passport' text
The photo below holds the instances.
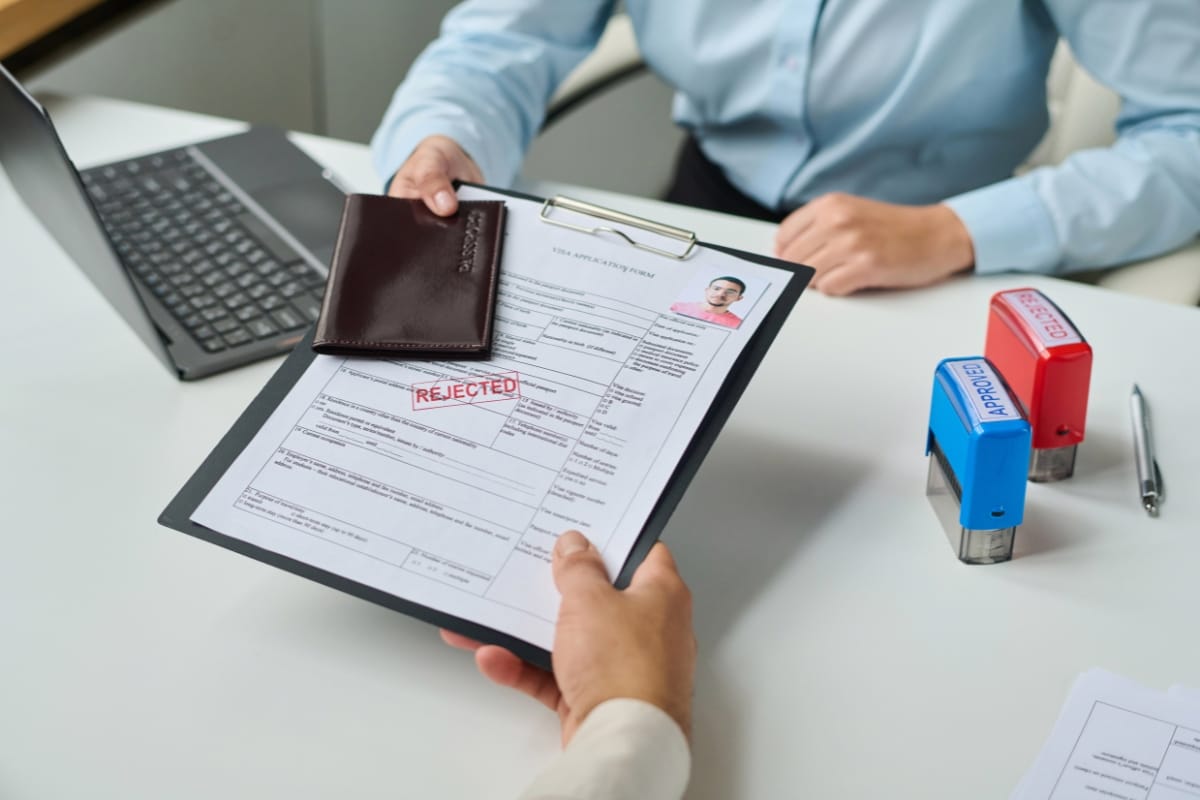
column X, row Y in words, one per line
column 470, row 243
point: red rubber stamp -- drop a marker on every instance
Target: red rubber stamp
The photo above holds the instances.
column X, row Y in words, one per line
column 1048, row 364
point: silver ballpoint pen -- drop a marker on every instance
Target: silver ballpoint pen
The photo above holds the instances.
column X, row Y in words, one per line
column 1149, row 477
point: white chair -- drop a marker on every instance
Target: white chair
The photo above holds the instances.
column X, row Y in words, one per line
column 1082, row 114
column 615, row 59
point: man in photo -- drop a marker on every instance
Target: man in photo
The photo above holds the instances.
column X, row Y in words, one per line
column 718, row 297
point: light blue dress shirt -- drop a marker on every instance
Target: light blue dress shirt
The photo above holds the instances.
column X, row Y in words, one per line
column 907, row 101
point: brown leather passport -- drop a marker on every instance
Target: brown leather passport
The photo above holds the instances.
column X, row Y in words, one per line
column 405, row 281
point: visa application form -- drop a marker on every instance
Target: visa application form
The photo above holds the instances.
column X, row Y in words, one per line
column 446, row 483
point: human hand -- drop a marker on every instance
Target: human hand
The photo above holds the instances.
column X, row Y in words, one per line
column 636, row 643
column 430, row 171
column 854, row 243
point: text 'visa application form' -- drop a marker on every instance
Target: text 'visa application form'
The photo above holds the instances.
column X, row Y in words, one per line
column 446, row 483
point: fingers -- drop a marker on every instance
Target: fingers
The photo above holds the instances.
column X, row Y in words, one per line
column 578, row 566
column 826, row 235
column 504, row 668
column 426, row 175
column 809, row 249
column 658, row 572
column 658, row 565
column 430, row 172
column 855, row 243
column 843, row 280
column 434, row 186
column 459, row 641
column 810, row 252
column 793, row 225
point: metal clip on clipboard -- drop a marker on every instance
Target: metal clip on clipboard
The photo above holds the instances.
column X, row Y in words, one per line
column 600, row 212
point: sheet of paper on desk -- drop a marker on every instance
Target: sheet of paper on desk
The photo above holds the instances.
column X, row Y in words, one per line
column 1118, row 740
column 447, row 483
column 1186, row 693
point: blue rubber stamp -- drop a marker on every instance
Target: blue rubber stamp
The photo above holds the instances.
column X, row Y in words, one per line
column 978, row 447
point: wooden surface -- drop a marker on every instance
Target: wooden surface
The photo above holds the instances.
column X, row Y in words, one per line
column 25, row 21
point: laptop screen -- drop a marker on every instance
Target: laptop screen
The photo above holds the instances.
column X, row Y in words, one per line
column 42, row 174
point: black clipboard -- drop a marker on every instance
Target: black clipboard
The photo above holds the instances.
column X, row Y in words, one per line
column 178, row 512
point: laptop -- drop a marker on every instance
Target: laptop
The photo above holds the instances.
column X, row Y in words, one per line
column 215, row 253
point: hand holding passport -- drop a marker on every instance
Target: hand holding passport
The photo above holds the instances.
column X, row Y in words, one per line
column 406, row 282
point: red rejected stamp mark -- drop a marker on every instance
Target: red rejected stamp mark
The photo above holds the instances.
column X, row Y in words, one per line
column 465, row 391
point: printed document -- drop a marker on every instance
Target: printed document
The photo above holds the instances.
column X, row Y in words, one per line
column 1117, row 740
column 446, row 483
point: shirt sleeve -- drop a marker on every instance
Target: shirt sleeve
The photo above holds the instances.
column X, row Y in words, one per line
column 1107, row 206
column 625, row 750
column 486, row 80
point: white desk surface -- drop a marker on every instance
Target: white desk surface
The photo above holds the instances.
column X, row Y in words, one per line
column 844, row 652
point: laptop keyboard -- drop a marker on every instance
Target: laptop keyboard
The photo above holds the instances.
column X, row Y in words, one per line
column 227, row 277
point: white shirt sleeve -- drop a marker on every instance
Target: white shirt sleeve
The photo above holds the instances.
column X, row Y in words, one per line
column 625, row 749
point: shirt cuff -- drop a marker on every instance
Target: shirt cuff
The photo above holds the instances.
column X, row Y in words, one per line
column 624, row 749
column 393, row 143
column 1010, row 227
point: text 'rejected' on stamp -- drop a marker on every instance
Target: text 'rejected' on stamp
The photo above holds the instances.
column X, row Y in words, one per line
column 466, row 390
